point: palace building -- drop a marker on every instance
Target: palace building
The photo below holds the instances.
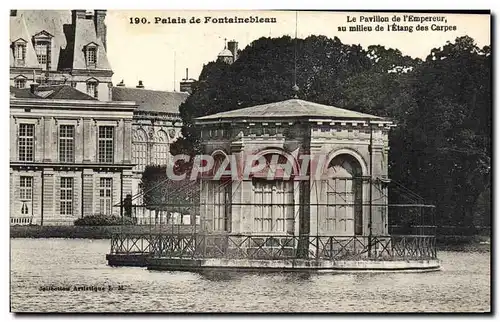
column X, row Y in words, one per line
column 52, row 47
column 69, row 155
column 156, row 125
column 78, row 144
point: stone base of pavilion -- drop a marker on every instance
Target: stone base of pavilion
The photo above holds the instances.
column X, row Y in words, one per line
column 295, row 265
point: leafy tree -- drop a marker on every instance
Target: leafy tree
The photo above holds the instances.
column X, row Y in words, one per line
column 441, row 147
column 448, row 130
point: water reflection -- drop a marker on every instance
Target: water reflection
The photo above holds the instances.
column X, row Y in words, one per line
column 463, row 285
column 220, row 275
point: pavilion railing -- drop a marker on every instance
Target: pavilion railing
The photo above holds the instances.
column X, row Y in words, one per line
column 272, row 247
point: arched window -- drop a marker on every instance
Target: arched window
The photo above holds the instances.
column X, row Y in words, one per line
column 140, row 149
column 90, row 51
column 42, row 42
column 20, row 52
column 344, row 213
column 273, row 195
column 92, row 87
column 20, row 81
column 161, row 148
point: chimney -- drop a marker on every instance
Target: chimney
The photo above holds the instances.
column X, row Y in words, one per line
column 140, row 85
column 233, row 48
column 13, row 13
column 187, row 73
column 121, row 84
column 33, row 87
column 100, row 27
column 77, row 14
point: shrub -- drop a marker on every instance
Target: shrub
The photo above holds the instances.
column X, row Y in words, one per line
column 103, row 220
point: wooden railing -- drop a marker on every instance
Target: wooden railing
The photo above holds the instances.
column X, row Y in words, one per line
column 276, row 247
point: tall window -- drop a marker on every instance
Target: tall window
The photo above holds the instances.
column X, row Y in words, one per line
column 92, row 89
column 344, row 213
column 139, row 149
column 26, row 141
column 221, row 194
column 66, row 202
column 20, row 83
column 161, row 149
column 42, row 49
column 20, row 53
column 273, row 195
column 91, row 56
column 105, row 145
column 67, row 143
column 25, row 194
column 273, row 204
column 26, row 186
column 105, row 195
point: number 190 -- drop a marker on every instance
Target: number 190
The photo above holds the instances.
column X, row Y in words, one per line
column 136, row 20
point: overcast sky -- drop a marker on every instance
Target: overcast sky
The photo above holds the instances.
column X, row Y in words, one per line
column 146, row 51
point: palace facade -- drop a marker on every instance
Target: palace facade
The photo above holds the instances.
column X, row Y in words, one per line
column 69, row 155
column 78, row 144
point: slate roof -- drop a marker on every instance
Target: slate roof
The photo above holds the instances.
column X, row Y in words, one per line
column 19, row 30
column 55, row 22
column 57, row 92
column 67, row 40
column 292, row 108
column 150, row 100
column 86, row 34
column 22, row 92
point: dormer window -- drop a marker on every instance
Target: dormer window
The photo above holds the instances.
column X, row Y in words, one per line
column 91, row 55
column 43, row 44
column 20, row 81
column 20, row 52
column 92, row 87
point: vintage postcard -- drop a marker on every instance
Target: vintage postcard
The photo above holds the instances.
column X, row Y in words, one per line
column 250, row 161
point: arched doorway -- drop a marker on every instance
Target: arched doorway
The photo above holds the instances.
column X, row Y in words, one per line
column 344, row 196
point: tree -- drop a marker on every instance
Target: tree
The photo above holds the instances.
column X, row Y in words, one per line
column 441, row 147
column 264, row 73
column 446, row 154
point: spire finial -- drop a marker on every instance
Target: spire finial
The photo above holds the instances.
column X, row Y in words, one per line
column 225, row 43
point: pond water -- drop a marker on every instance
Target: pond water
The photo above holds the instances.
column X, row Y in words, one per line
column 71, row 275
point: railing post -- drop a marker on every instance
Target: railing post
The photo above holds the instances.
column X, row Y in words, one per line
column 317, row 247
column 331, row 247
column 355, row 242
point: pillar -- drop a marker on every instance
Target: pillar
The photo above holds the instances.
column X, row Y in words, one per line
column 87, row 193
column 127, row 141
column 48, row 195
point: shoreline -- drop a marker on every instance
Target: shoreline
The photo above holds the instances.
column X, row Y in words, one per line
column 90, row 232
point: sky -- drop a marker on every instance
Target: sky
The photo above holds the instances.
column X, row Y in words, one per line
column 159, row 53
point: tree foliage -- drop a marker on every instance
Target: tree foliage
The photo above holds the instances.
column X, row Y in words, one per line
column 441, row 147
